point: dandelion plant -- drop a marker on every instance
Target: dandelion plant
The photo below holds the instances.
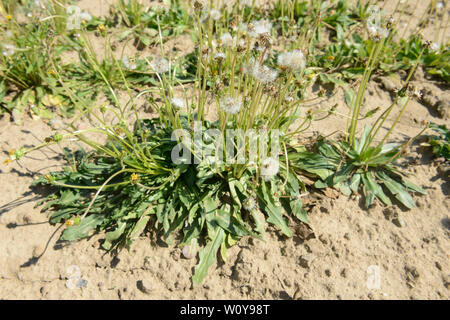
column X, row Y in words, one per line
column 366, row 162
column 184, row 175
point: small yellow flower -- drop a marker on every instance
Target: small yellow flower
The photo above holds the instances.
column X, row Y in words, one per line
column 101, row 28
column 52, row 72
column 12, row 151
column 331, row 58
column 120, row 131
column 7, row 161
column 69, row 223
column 8, row 17
column 310, row 76
column 134, row 177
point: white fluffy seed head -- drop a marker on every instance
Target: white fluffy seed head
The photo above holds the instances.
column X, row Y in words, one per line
column 129, row 65
column 434, row 47
column 383, row 33
column 377, row 32
column 160, row 65
column 247, row 3
column 249, row 204
column 40, row 3
column 242, row 28
column 177, row 103
column 215, row 14
column 294, row 60
column 261, row 73
column 269, row 168
column 266, row 75
column 227, row 40
column 230, row 105
column 289, row 99
column 257, row 28
column 8, row 49
column 85, row 16
column 219, row 56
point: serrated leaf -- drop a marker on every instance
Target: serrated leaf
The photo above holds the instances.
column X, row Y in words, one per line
column 319, row 184
column 273, row 211
column 113, row 235
column 397, row 190
column 348, row 95
column 372, row 189
column 140, row 226
column 68, row 197
column 413, row 187
column 343, row 174
column 207, row 256
column 223, row 249
column 355, row 181
column 344, row 188
column 230, row 224
column 259, row 220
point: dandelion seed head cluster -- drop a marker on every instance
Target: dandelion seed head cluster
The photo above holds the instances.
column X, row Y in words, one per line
column 160, row 65
column 177, row 103
column 219, row 56
column 257, row 28
column 294, row 60
column 8, row 50
column 249, row 204
column 261, row 73
column 85, row 16
column 377, row 32
column 129, row 65
column 269, row 168
column 227, row 40
column 215, row 14
column 230, row 104
column 434, row 47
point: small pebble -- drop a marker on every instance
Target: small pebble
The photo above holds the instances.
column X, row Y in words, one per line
column 37, row 251
column 438, row 265
column 146, row 286
column 399, row 222
column 287, row 282
column 189, row 252
column 26, row 219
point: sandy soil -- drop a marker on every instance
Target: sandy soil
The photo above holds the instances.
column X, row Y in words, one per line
column 409, row 248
